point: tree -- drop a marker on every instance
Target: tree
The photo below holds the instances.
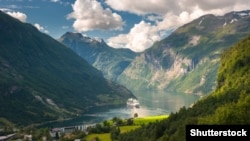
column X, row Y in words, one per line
column 130, row 121
column 106, row 123
column 117, row 121
column 135, row 115
column 114, row 134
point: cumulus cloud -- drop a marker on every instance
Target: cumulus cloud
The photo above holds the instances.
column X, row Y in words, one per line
column 169, row 6
column 143, row 7
column 18, row 15
column 167, row 14
column 40, row 28
column 143, row 35
column 90, row 15
column 138, row 38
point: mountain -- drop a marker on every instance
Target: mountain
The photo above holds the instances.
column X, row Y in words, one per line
column 110, row 61
column 228, row 104
column 43, row 80
column 187, row 60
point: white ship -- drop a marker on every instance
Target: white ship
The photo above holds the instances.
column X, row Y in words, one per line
column 132, row 102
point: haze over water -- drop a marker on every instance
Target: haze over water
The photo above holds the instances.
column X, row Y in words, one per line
column 151, row 103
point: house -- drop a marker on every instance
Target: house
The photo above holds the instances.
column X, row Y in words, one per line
column 28, row 137
column 69, row 129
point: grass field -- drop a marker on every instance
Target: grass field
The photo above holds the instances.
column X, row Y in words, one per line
column 106, row 136
column 128, row 128
column 137, row 123
column 146, row 120
column 102, row 137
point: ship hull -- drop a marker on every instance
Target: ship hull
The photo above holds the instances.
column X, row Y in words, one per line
column 133, row 103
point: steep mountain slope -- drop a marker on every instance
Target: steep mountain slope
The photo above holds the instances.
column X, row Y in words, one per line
column 229, row 104
column 42, row 80
column 187, row 60
column 110, row 61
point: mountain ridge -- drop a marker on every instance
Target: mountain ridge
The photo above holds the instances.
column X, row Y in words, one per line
column 188, row 59
column 42, row 80
column 110, row 61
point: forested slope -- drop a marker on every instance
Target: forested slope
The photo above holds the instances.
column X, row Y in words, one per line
column 228, row 104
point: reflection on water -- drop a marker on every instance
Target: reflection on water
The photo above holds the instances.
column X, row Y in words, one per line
column 151, row 103
column 167, row 101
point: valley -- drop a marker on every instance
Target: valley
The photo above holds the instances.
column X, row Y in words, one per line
column 152, row 103
column 186, row 61
column 199, row 74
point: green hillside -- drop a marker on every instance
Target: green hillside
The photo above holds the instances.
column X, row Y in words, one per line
column 43, row 80
column 229, row 103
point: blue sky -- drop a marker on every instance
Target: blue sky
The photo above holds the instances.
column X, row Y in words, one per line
column 134, row 24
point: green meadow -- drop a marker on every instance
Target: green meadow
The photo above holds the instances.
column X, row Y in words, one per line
column 137, row 122
column 146, row 120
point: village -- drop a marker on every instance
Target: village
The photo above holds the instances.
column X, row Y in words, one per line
column 54, row 133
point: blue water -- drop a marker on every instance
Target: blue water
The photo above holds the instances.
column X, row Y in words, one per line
column 151, row 103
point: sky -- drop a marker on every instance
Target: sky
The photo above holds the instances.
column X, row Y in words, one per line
column 133, row 24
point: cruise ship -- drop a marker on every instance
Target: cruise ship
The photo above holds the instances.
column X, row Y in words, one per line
column 132, row 102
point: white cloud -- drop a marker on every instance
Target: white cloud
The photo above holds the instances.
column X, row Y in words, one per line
column 54, row 0
column 140, row 37
column 142, row 7
column 167, row 14
column 143, row 35
column 18, row 15
column 90, row 15
column 40, row 28
column 163, row 7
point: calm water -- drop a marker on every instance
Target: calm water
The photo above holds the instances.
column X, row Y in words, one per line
column 151, row 103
